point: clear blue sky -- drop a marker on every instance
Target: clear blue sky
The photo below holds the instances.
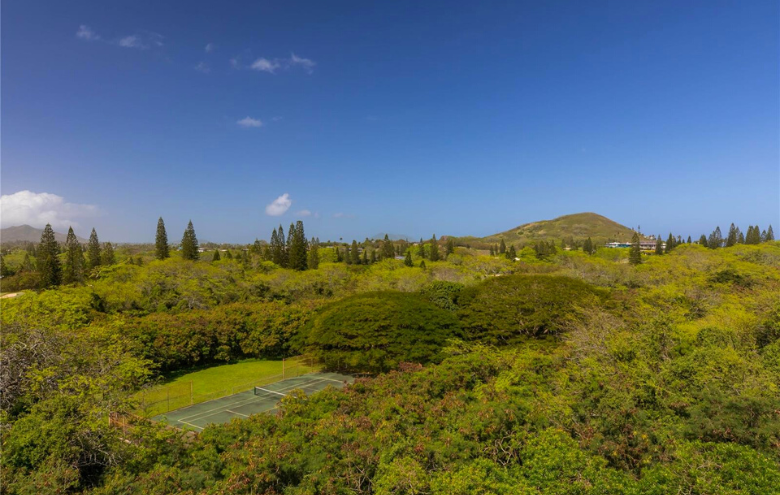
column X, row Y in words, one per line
column 462, row 118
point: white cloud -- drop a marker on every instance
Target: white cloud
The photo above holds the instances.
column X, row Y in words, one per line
column 305, row 63
column 342, row 215
column 210, row 48
column 271, row 65
column 38, row 209
column 141, row 41
column 265, row 65
column 203, row 67
column 249, row 122
column 86, row 33
column 304, row 213
column 277, row 118
column 279, row 206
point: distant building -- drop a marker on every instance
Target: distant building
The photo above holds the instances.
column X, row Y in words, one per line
column 643, row 245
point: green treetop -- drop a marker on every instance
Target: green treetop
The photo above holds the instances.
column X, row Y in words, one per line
column 216, row 256
column 659, row 245
column 48, row 262
column 635, row 255
column 108, row 258
column 93, row 251
column 732, row 237
column 189, row 244
column 356, row 253
column 450, row 246
column 314, row 254
column 421, row 249
column 408, row 258
column 502, row 247
column 388, row 251
column 161, row 250
column 73, row 271
column 434, row 249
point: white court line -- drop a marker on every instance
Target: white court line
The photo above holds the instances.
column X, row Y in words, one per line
column 234, row 412
column 247, row 401
column 190, row 424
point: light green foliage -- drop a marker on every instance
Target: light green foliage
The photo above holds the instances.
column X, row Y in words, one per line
column 606, row 377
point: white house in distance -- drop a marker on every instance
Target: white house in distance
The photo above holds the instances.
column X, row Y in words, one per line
column 643, row 245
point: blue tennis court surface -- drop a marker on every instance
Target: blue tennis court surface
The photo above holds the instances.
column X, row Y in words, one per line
column 244, row 404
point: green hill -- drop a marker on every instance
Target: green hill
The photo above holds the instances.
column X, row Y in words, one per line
column 578, row 226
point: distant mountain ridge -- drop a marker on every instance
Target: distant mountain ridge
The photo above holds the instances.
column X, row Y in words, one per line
column 578, row 226
column 27, row 233
column 392, row 237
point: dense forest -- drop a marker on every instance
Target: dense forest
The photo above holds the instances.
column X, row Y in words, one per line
column 547, row 368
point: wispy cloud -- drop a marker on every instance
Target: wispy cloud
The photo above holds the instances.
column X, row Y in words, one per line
column 142, row 41
column 342, row 215
column 250, row 122
column 86, row 33
column 279, row 206
column 263, row 64
column 38, row 209
column 234, row 63
column 306, row 63
column 304, row 213
column 277, row 118
column 210, row 47
column 203, row 67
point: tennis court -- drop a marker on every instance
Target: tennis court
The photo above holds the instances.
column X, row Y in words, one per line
column 258, row 400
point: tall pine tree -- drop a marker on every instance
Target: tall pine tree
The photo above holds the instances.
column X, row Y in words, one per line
column 434, row 249
column 73, row 271
column 356, row 253
column 388, row 250
column 716, row 239
column 48, row 263
column 587, row 246
column 770, row 234
column 93, row 251
column 161, row 250
column 703, row 240
column 408, row 258
column 659, row 245
column 635, row 254
column 731, row 238
column 502, row 247
column 421, row 249
column 297, row 247
column 216, row 256
column 189, row 244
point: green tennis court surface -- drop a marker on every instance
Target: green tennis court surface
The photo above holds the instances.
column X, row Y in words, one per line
column 244, row 404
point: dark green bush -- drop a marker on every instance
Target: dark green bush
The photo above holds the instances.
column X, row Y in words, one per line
column 375, row 332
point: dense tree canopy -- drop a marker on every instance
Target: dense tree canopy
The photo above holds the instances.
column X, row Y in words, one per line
column 377, row 331
column 504, row 310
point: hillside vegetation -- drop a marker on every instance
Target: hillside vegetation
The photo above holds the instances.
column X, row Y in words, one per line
column 570, row 373
column 578, row 226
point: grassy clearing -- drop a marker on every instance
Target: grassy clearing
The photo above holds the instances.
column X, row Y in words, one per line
column 217, row 381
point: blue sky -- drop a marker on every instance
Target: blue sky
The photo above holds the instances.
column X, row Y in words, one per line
column 461, row 118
